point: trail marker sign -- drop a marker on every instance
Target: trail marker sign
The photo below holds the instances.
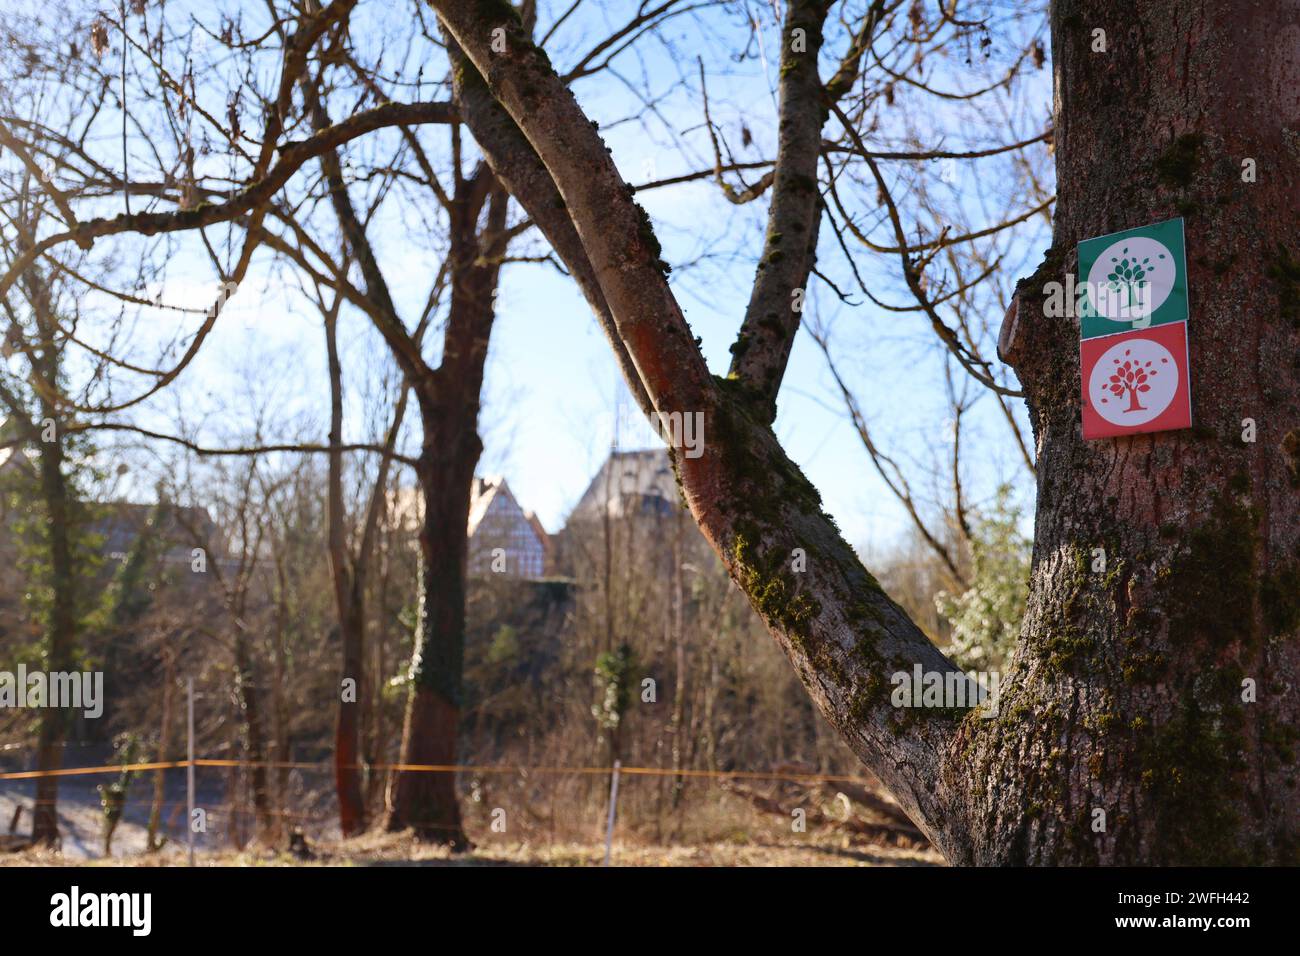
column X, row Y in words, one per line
column 1133, row 279
column 1136, row 382
column 1133, row 332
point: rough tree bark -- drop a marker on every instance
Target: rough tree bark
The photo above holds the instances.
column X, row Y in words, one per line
column 1127, row 687
column 1125, row 694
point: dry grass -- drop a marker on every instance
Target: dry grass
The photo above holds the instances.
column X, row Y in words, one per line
column 716, row 828
column 397, row 849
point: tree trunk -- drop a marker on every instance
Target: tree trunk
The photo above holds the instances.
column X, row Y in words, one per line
column 1126, row 692
column 426, row 801
column 347, row 730
column 348, row 580
column 1128, row 687
column 449, row 404
column 152, row 841
column 349, row 574
column 679, row 660
column 376, row 783
column 280, row 749
column 254, row 731
column 448, row 397
column 60, row 634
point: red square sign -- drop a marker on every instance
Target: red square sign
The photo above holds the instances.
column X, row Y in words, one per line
column 1136, row 382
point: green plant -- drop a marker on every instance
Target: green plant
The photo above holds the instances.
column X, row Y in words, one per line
column 112, row 796
column 614, row 675
column 986, row 617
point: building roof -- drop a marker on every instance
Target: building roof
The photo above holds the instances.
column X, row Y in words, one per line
column 481, row 495
column 548, row 544
column 503, row 537
column 629, row 483
column 408, row 505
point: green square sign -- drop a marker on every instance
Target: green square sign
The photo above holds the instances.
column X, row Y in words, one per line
column 1132, row 279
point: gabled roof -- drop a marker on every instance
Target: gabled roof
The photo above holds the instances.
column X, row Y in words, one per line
column 540, row 530
column 487, row 495
column 482, row 493
column 493, row 495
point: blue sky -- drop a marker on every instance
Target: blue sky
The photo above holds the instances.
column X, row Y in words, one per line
column 552, row 391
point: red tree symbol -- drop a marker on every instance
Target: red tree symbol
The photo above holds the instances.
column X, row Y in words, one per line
column 1130, row 376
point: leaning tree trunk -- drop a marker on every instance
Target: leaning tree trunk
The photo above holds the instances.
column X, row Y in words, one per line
column 1131, row 690
column 1126, row 692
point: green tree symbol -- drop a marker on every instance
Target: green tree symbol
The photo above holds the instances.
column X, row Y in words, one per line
column 1129, row 275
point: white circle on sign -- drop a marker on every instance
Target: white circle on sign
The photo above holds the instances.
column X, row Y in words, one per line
column 1131, row 279
column 1133, row 382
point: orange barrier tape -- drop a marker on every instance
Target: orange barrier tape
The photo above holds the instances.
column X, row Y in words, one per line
column 440, row 768
column 75, row 771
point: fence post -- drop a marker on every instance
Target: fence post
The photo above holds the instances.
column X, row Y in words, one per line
column 613, row 805
column 189, row 768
